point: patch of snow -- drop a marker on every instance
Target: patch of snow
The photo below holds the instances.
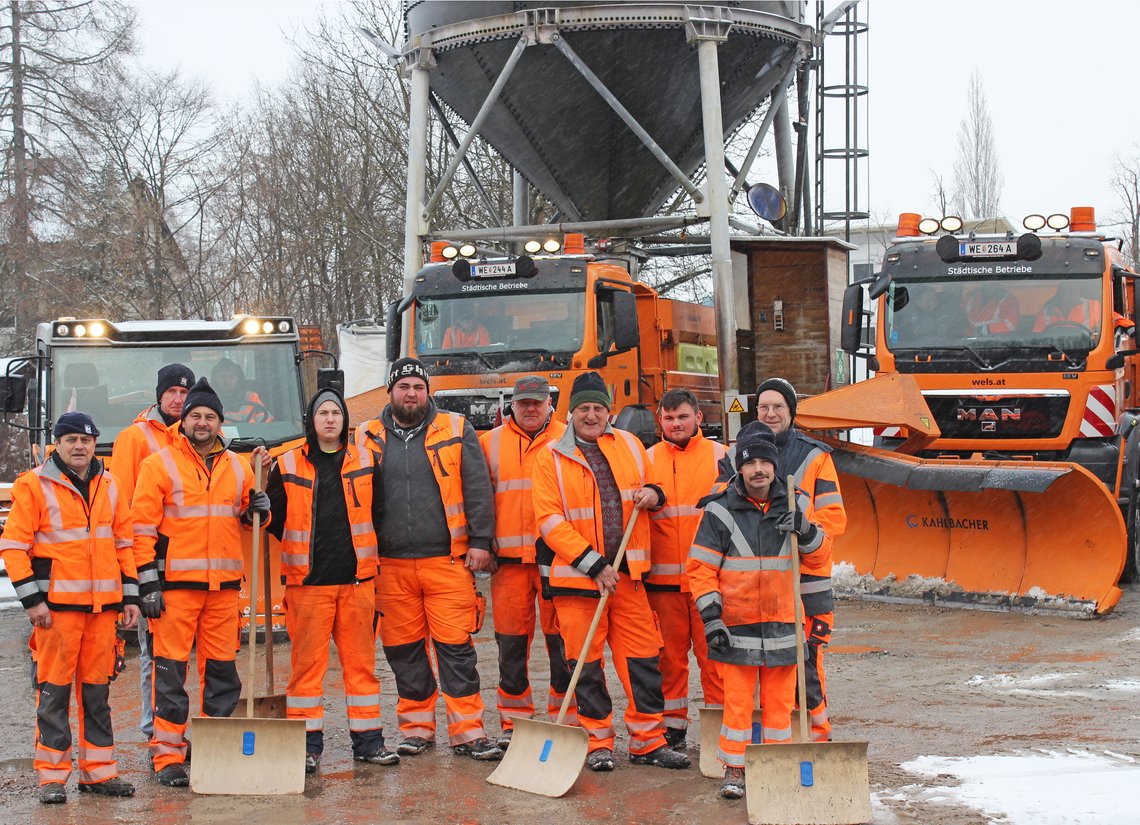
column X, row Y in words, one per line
column 1129, row 685
column 1038, row 787
column 1007, row 680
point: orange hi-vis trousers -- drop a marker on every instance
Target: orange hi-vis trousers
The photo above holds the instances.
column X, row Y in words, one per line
column 514, row 590
column 628, row 625
column 777, row 697
column 682, row 627
column 818, row 632
column 341, row 613
column 209, row 620
column 78, row 648
column 431, row 598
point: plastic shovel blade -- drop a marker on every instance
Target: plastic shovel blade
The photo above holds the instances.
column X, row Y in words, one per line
column 544, row 758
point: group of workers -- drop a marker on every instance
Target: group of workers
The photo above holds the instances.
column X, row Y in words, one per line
column 381, row 530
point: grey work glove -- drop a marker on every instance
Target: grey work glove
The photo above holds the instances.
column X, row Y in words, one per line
column 717, row 639
column 152, row 604
column 259, row 502
column 799, row 524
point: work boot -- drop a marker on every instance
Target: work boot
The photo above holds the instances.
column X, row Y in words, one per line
column 173, row 776
column 312, row 762
column 414, row 746
column 108, row 787
column 733, row 785
column 505, row 739
column 676, row 738
column 380, row 756
column 481, row 749
column 53, row 793
column 663, row 757
column 600, row 760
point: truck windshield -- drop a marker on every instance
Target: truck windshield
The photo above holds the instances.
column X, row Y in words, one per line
column 258, row 385
column 539, row 322
column 955, row 313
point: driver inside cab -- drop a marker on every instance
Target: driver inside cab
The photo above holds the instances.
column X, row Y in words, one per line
column 1068, row 306
column 241, row 405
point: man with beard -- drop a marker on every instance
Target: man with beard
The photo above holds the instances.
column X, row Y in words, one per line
column 190, row 502
column 741, row 575
column 511, row 451
column 684, row 462
column 149, row 433
column 437, row 508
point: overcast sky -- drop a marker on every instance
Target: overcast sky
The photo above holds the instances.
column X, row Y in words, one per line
column 1057, row 76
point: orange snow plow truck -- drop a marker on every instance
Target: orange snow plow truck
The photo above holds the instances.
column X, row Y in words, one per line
column 1005, row 471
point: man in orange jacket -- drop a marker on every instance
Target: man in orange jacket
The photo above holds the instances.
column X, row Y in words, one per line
column 684, row 462
column 324, row 503
column 149, row 433
column 68, row 549
column 436, row 525
column 511, row 450
column 809, row 461
column 190, row 501
column 741, row 575
column 586, row 488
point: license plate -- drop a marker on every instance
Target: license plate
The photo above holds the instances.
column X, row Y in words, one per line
column 987, row 249
column 498, row 270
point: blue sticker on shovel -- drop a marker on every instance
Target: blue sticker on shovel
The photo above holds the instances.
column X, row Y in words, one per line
column 247, row 743
column 807, row 774
column 757, row 733
column 546, row 746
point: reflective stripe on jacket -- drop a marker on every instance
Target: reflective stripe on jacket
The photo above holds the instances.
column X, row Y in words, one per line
column 198, row 510
column 59, row 549
column 147, row 435
column 567, row 509
column 740, row 575
column 299, row 477
column 510, row 454
column 443, row 441
column 687, row 475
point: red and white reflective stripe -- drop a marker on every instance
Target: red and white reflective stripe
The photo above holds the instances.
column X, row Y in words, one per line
column 1100, row 412
column 888, row 432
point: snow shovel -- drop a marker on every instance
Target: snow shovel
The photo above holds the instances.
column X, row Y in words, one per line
column 545, row 758
column 806, row 783
column 249, row 756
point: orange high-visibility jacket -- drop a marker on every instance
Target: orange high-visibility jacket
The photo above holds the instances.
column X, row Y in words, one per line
column 147, row 435
column 299, row 477
column 510, row 455
column 444, row 444
column 687, row 475
column 568, row 510
column 740, row 575
column 60, row 549
column 197, row 510
column 1085, row 312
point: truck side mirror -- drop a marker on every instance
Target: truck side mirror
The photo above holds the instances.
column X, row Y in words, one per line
column 13, row 394
column 626, row 335
column 330, row 378
column 851, row 321
column 394, row 324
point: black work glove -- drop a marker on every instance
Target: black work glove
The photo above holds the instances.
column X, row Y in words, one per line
column 717, row 639
column 799, row 524
column 152, row 604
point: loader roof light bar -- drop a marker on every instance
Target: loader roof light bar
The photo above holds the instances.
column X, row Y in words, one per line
column 908, row 225
column 265, row 326
column 72, row 328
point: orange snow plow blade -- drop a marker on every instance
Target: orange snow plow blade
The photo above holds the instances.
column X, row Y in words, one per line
column 1002, row 535
column 997, row 534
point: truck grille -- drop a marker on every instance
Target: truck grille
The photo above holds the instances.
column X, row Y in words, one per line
column 999, row 416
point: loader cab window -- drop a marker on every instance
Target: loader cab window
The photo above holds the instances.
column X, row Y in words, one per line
column 1062, row 313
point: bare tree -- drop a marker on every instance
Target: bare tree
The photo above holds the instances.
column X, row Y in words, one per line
column 977, row 175
column 941, row 194
column 51, row 49
column 1126, row 184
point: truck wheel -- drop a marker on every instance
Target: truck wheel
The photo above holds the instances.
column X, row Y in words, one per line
column 1131, row 570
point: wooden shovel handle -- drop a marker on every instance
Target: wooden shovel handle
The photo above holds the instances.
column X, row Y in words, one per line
column 594, row 624
column 255, row 553
column 801, row 677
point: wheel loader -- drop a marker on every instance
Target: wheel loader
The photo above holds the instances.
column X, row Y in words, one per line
column 1003, row 468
